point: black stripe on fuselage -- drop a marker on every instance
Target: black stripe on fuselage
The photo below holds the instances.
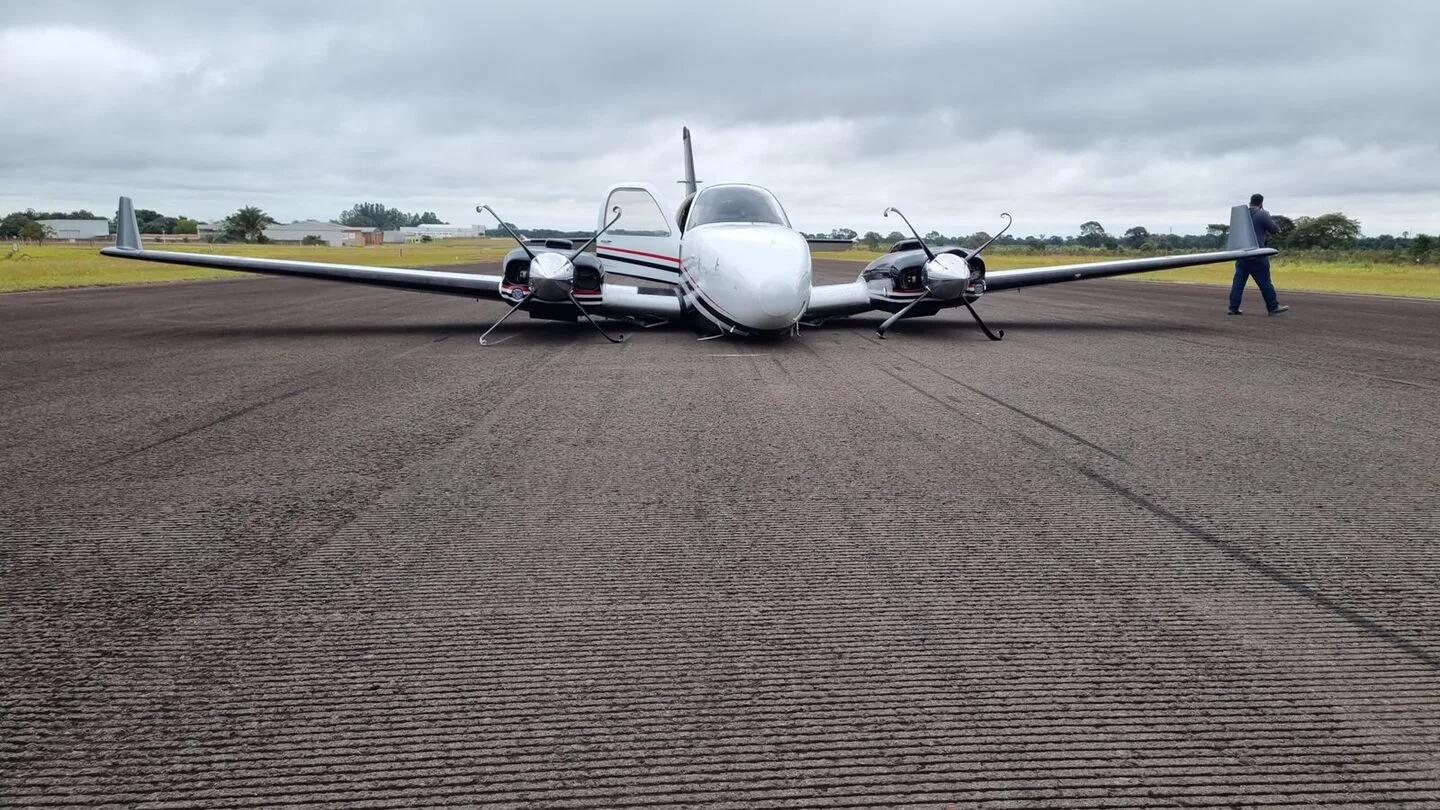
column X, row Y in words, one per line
column 712, row 312
column 640, row 263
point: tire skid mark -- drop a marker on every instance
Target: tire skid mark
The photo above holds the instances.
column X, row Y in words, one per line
column 937, row 400
column 1270, row 572
column 322, row 375
column 1013, row 408
column 190, row 431
column 319, row 540
column 228, row 585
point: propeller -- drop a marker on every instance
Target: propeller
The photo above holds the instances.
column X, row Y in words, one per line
column 557, row 274
column 496, row 325
column 596, row 235
column 929, row 254
column 506, row 226
column 890, row 321
column 1009, row 220
column 945, row 275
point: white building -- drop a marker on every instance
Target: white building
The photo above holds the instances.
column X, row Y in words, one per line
column 331, row 233
column 77, row 228
column 444, row 231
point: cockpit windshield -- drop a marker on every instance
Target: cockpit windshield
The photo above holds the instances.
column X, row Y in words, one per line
column 735, row 204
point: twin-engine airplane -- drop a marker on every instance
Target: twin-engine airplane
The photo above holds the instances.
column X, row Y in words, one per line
column 731, row 262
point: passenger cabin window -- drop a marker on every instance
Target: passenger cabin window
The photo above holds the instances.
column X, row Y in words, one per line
column 735, row 204
column 640, row 215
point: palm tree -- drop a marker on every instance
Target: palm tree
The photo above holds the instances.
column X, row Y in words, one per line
column 248, row 224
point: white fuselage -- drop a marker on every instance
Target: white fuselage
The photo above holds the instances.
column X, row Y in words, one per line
column 746, row 277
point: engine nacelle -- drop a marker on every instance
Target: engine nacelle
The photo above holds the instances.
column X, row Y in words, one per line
column 902, row 275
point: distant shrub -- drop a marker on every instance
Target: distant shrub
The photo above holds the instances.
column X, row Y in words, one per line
column 312, row 239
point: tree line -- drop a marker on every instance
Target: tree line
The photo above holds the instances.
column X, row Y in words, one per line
column 27, row 224
column 245, row 225
column 1333, row 231
column 376, row 215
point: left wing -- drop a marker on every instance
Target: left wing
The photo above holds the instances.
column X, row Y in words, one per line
column 1240, row 244
column 837, row 300
column 996, row 280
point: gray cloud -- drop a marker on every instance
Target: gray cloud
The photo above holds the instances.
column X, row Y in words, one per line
column 1131, row 112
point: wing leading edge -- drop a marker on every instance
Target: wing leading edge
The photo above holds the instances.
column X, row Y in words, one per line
column 836, row 300
column 127, row 246
column 1240, row 244
column 615, row 299
column 997, row 280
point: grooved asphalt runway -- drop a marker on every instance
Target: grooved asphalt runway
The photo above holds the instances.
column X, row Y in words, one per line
column 272, row 542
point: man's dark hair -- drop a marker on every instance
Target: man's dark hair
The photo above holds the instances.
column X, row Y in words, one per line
column 1257, row 199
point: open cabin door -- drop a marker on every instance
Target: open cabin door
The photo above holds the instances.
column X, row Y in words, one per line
column 645, row 243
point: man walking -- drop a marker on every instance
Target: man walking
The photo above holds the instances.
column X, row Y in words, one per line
column 1257, row 267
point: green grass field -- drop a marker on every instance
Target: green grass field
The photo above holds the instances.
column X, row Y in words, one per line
column 66, row 265
column 1370, row 278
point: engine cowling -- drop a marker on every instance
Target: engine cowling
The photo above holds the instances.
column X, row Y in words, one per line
column 552, row 276
column 903, row 275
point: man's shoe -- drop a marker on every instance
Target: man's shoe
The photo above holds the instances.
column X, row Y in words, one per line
column 1234, row 312
column 1278, row 310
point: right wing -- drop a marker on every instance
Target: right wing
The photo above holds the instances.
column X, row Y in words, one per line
column 619, row 300
column 127, row 246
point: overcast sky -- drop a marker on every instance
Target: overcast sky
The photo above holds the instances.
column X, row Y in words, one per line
column 1162, row 114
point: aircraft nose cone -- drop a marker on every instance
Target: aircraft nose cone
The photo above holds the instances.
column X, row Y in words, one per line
column 781, row 297
column 758, row 274
column 779, row 279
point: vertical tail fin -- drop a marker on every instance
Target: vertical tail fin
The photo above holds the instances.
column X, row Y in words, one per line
column 127, row 230
column 1242, row 230
column 691, row 184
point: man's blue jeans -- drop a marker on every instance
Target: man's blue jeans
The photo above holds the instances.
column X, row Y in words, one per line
column 1259, row 269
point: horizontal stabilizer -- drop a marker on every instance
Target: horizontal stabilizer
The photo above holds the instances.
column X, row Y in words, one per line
column 1242, row 230
column 127, row 230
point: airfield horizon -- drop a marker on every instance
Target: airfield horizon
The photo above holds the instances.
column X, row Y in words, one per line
column 58, row 266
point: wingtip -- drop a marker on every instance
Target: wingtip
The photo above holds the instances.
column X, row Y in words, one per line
column 127, row 230
column 1241, row 235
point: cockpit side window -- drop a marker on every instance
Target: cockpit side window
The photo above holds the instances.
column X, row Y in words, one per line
column 734, row 204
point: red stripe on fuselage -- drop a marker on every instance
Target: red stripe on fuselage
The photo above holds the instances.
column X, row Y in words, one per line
column 642, row 253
